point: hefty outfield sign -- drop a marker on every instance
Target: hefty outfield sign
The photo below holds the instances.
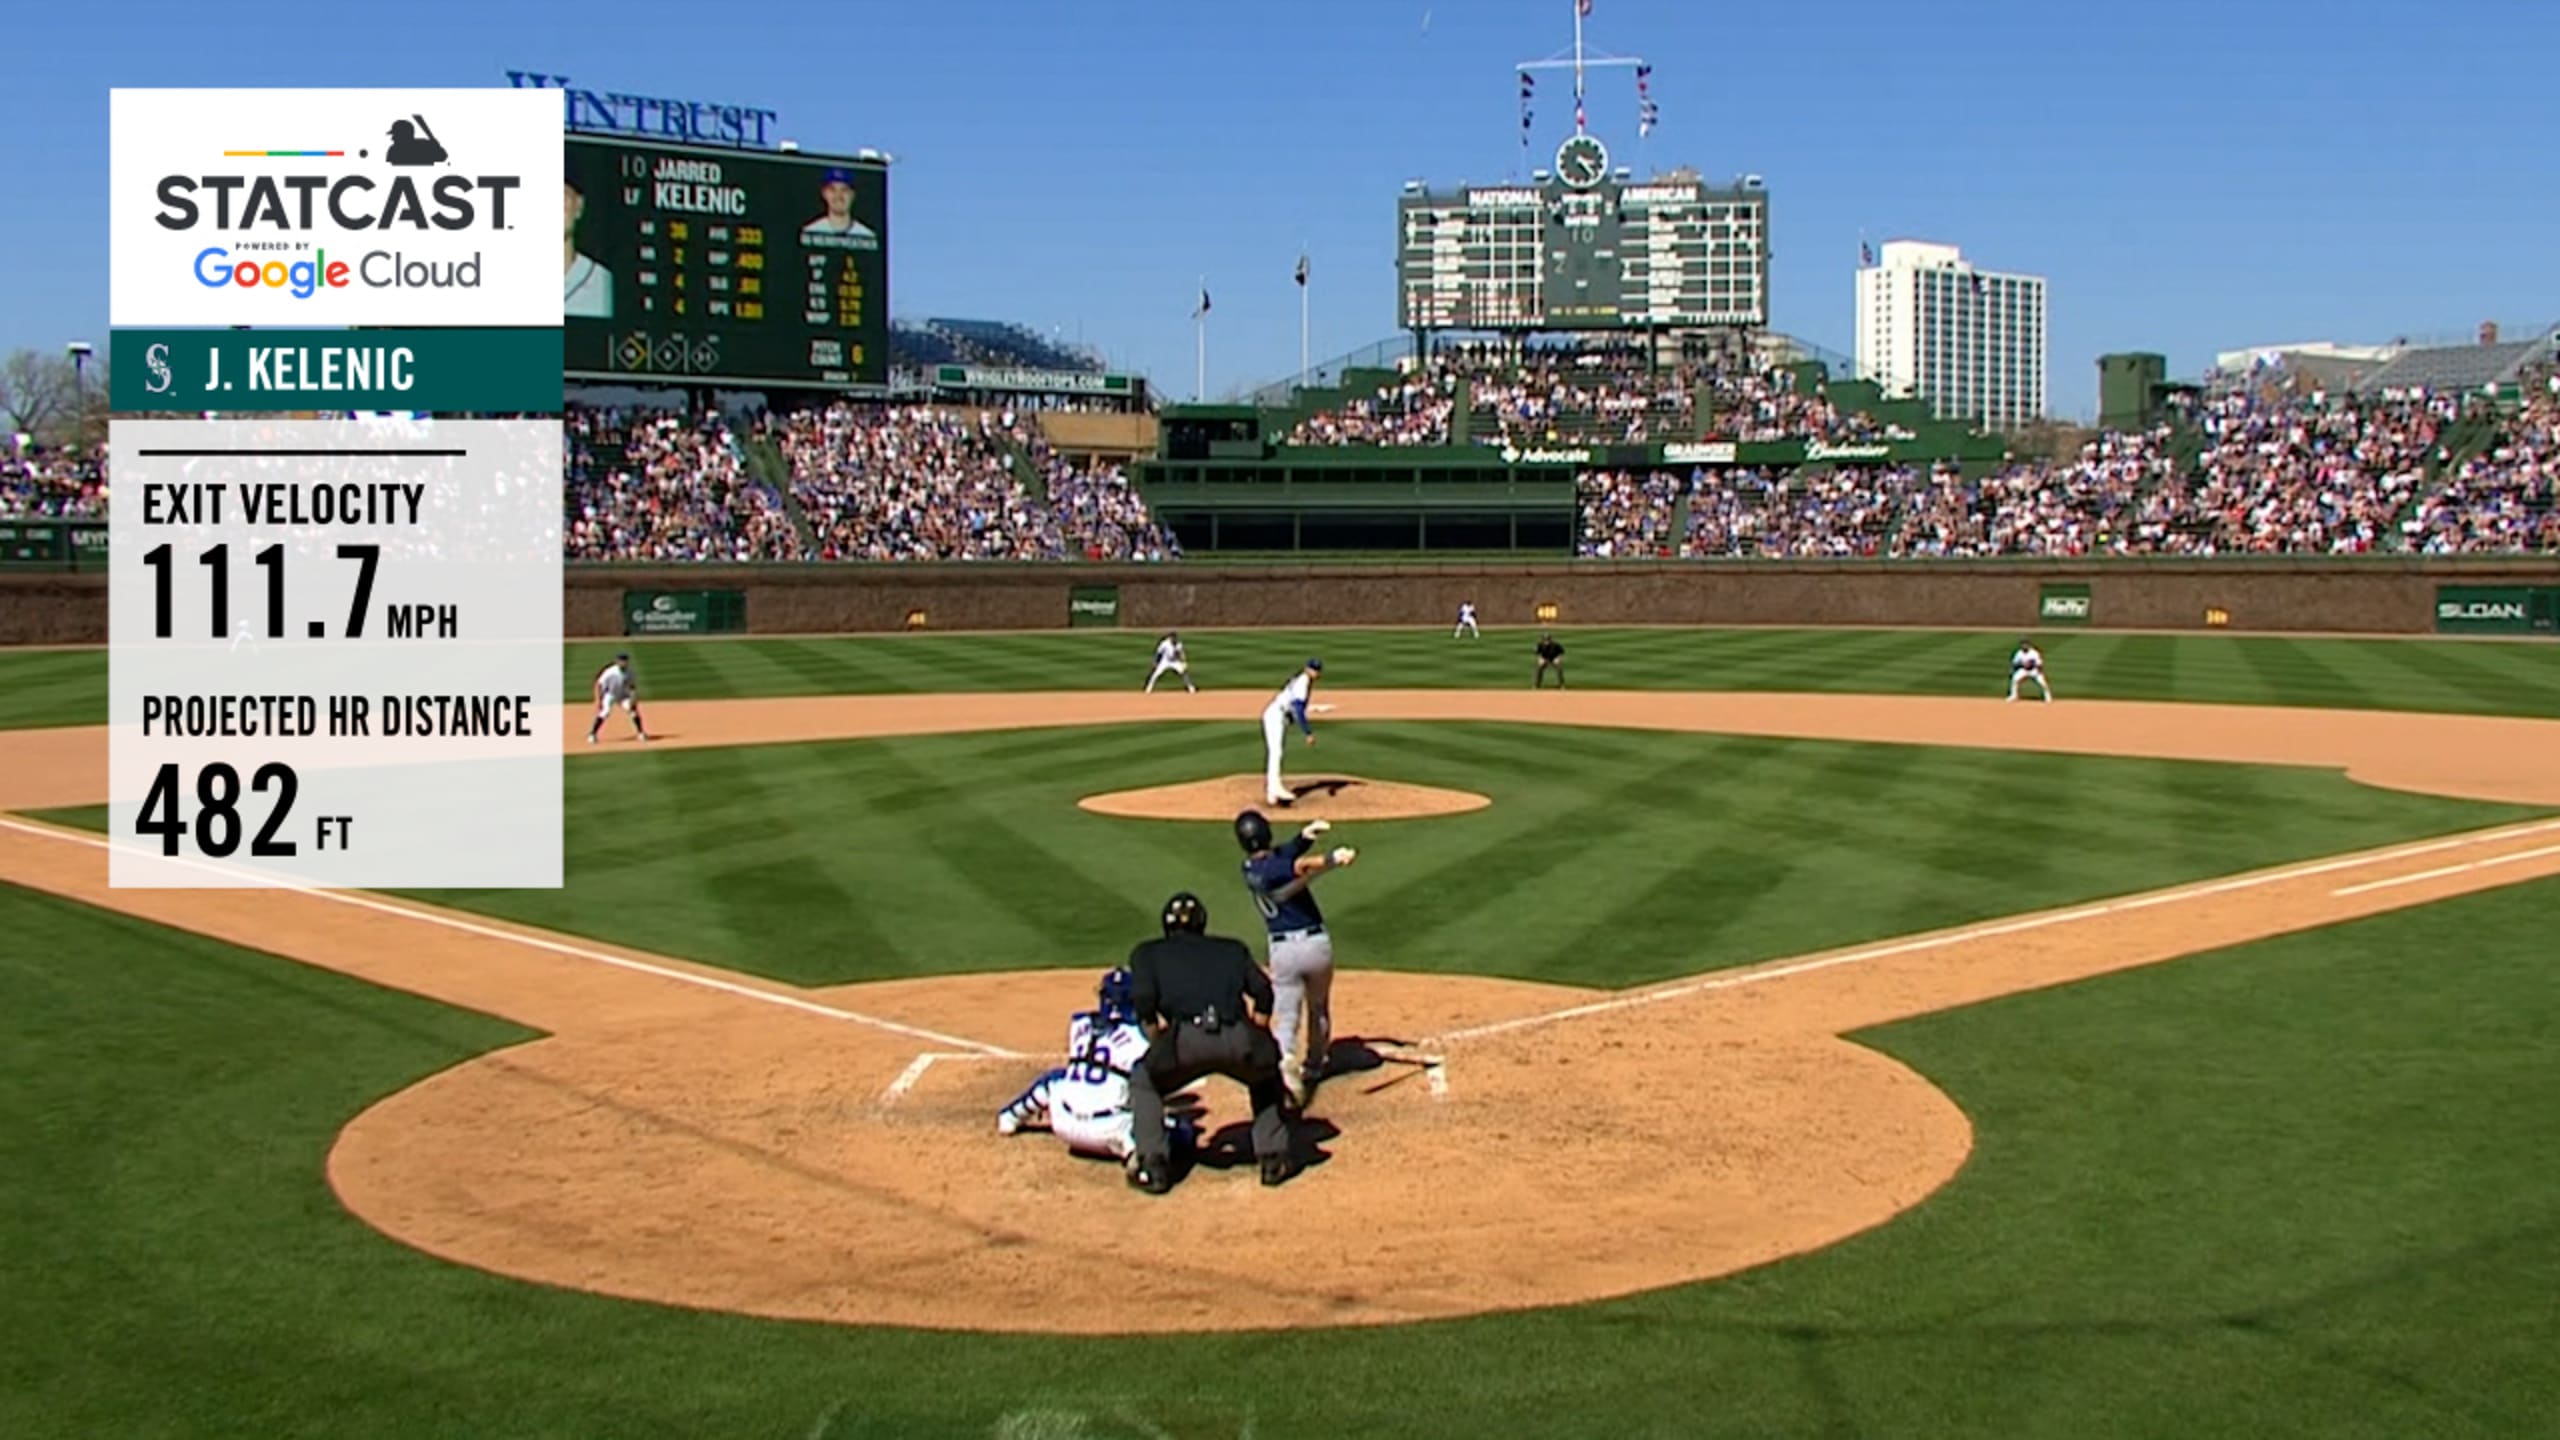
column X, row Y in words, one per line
column 333, row 207
column 2063, row 605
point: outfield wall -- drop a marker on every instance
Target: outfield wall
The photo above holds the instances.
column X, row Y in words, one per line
column 2390, row 597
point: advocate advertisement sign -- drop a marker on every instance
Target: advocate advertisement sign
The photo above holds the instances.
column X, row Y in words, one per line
column 322, row 208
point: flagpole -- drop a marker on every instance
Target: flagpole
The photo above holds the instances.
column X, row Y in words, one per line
column 1302, row 316
column 1200, row 339
column 1577, row 64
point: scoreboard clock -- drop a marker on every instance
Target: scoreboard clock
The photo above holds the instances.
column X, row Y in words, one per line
column 1582, row 161
column 694, row 264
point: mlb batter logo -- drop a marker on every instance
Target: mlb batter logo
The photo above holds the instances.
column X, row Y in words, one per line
column 322, row 208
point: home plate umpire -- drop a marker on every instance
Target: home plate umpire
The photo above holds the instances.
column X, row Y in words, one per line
column 1201, row 997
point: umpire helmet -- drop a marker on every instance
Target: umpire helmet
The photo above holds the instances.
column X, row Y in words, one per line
column 1185, row 912
column 1253, row 832
column 1119, row 995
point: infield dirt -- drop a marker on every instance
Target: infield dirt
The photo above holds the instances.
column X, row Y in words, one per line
column 686, row 1135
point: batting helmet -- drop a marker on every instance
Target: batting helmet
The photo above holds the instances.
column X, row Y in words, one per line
column 1185, row 912
column 1253, row 832
column 1119, row 995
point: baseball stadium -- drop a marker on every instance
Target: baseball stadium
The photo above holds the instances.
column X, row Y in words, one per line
column 1851, row 912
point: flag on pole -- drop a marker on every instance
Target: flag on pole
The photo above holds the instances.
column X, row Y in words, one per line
column 1204, row 303
column 1866, row 253
column 1584, row 6
column 1302, row 271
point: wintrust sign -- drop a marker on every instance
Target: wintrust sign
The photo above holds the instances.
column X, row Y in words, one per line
column 334, row 207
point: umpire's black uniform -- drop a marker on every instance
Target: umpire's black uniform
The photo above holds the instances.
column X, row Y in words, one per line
column 1190, row 990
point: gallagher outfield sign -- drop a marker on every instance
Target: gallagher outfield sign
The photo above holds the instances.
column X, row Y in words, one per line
column 321, row 208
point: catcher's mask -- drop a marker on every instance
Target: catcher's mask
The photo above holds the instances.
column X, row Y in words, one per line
column 1119, row 993
column 1184, row 912
column 1253, row 832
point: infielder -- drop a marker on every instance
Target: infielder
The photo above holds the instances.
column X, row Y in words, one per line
column 1170, row 660
column 1281, row 882
column 1085, row 1102
column 2028, row 664
column 1466, row 621
column 614, row 686
column 1289, row 704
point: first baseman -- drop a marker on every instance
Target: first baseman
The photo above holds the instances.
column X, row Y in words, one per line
column 1289, row 704
column 614, row 686
column 1281, row 882
column 1170, row 661
column 2028, row 664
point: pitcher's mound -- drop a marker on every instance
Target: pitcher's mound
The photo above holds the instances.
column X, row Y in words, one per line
column 1330, row 797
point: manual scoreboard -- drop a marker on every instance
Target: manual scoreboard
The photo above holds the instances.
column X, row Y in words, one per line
column 693, row 264
column 1584, row 249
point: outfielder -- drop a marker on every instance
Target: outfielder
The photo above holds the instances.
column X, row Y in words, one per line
column 1466, row 621
column 1289, row 704
column 614, row 686
column 2028, row 664
column 1281, row 882
column 1085, row 1102
column 1170, row 661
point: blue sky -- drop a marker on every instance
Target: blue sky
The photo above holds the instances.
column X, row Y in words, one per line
column 2191, row 176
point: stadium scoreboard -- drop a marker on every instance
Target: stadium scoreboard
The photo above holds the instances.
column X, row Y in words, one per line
column 693, row 264
column 1583, row 248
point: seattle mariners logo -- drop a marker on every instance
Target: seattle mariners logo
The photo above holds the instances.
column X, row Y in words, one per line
column 157, row 357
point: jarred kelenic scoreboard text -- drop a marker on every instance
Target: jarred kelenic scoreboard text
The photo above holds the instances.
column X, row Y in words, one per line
column 704, row 264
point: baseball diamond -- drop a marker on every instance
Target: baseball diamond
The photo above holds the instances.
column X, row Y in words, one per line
column 810, row 1150
column 1610, row 844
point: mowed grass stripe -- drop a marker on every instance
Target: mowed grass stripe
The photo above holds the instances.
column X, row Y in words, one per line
column 2514, row 678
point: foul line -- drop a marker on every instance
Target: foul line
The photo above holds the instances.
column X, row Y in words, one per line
column 575, row 952
column 1732, row 981
column 2440, row 873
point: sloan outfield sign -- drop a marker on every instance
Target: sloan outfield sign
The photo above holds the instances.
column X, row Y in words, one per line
column 318, row 208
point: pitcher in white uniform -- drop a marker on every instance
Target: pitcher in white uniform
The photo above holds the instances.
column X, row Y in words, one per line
column 1290, row 704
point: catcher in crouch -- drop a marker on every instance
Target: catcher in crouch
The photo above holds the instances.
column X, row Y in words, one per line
column 1085, row 1102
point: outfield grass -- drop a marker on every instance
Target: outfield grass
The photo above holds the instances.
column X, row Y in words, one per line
column 2494, row 678
column 1608, row 858
column 2292, row 1188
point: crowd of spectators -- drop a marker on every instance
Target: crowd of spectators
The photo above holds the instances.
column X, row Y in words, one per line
column 664, row 485
column 53, row 483
column 2506, row 498
column 914, row 482
column 1413, row 411
column 1627, row 515
column 2249, row 471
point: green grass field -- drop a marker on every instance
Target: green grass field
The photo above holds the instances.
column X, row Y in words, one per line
column 2492, row 678
column 2290, row 1189
column 1609, row 858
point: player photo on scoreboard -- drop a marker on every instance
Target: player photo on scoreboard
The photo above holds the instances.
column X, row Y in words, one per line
column 835, row 225
column 586, row 288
